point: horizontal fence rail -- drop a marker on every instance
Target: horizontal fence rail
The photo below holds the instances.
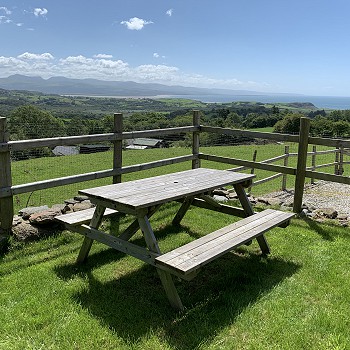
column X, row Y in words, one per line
column 301, row 171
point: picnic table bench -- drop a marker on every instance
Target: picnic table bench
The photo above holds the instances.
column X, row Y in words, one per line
column 142, row 198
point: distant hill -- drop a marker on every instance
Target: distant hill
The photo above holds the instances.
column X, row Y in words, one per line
column 94, row 87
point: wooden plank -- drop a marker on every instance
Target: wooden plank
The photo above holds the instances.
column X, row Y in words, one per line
column 249, row 164
column 182, row 211
column 68, row 180
column 322, row 141
column 155, row 164
column 241, row 224
column 59, row 141
column 226, row 209
column 266, row 179
column 87, row 243
column 165, row 277
column 196, row 163
column 301, row 164
column 45, row 184
column 285, row 163
column 203, row 250
column 209, row 253
column 118, row 244
column 74, row 140
column 151, row 191
column 251, row 134
column 82, row 216
column 158, row 132
column 6, row 204
column 118, row 148
column 328, row 177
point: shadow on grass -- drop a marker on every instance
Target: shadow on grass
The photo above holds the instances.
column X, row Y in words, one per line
column 328, row 231
column 134, row 305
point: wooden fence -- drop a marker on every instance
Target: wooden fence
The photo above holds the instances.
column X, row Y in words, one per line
column 338, row 164
column 7, row 190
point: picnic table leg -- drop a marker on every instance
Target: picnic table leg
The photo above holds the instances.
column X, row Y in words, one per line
column 182, row 211
column 135, row 226
column 242, row 196
column 87, row 243
column 165, row 277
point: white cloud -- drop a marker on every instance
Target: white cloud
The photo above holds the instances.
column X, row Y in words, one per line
column 33, row 56
column 79, row 67
column 40, row 12
column 103, row 55
column 157, row 55
column 135, row 23
column 169, row 12
column 6, row 10
column 5, row 20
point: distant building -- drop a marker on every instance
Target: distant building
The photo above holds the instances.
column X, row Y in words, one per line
column 84, row 149
column 145, row 143
column 93, row 148
column 65, row 150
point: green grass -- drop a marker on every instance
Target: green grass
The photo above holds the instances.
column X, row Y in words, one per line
column 297, row 298
column 48, row 168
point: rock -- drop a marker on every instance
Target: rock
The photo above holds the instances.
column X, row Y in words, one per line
column 82, row 206
column 274, row 201
column 44, row 218
column 289, row 202
column 342, row 217
column 232, row 195
column 27, row 232
column 252, row 200
column 71, row 201
column 263, row 200
column 59, row 207
column 304, row 213
column 81, row 198
column 68, row 208
column 220, row 198
column 26, row 212
column 329, row 213
column 221, row 192
column 17, row 220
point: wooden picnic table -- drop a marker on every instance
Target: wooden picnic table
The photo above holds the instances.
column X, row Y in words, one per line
column 142, row 198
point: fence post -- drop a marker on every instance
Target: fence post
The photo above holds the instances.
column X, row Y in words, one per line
column 341, row 161
column 196, row 163
column 313, row 162
column 285, row 163
column 6, row 203
column 118, row 146
column 301, row 164
column 252, row 170
column 336, row 162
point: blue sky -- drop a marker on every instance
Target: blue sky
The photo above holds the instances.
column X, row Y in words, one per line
column 299, row 46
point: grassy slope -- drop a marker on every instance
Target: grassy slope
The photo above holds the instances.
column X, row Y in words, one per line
column 46, row 168
column 296, row 299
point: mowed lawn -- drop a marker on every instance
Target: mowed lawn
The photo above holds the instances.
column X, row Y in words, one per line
column 297, row 298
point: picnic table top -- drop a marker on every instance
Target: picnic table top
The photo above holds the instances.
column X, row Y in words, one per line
column 164, row 188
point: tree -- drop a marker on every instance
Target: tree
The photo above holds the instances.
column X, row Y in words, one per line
column 290, row 124
column 29, row 122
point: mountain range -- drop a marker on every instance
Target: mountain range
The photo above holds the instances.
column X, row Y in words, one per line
column 94, row 87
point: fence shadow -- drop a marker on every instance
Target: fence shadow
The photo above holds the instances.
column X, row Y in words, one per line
column 135, row 304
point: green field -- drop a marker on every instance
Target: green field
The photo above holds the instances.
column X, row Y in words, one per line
column 27, row 171
column 297, row 298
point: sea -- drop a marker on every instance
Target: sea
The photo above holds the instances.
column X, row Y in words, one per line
column 321, row 102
